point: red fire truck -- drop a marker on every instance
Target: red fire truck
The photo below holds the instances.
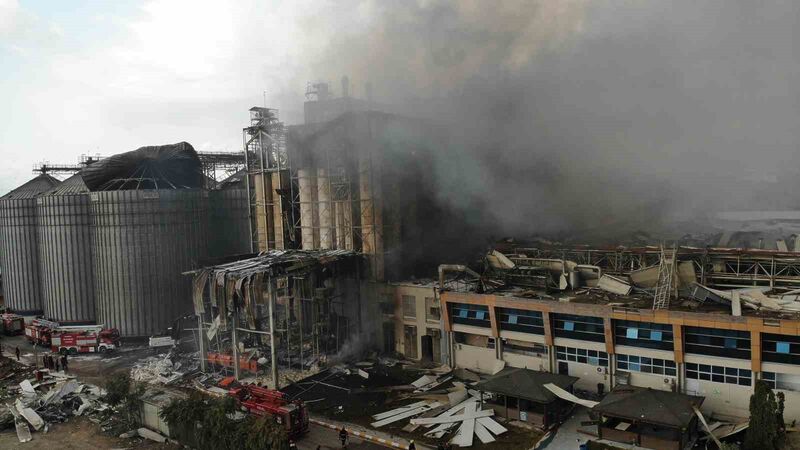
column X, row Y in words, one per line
column 11, row 324
column 39, row 331
column 259, row 401
column 72, row 341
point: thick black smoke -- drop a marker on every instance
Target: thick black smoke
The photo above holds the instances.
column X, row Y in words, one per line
column 571, row 116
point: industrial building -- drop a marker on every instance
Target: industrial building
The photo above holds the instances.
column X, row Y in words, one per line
column 712, row 338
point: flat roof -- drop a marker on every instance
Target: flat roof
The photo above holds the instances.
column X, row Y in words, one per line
column 646, row 405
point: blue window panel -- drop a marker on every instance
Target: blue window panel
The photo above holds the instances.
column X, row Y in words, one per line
column 569, row 326
column 655, row 335
column 594, row 361
column 463, row 313
column 512, row 319
column 480, row 315
column 632, row 333
column 730, row 343
column 782, row 347
column 634, row 367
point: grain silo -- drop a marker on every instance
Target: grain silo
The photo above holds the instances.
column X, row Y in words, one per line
column 65, row 252
column 19, row 257
column 230, row 220
column 150, row 224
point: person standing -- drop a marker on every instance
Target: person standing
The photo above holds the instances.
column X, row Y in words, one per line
column 412, row 446
column 343, row 437
column 64, row 363
column 16, row 352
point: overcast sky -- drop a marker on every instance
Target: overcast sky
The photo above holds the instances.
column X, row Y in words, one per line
column 85, row 77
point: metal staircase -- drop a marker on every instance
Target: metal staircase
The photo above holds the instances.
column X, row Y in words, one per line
column 666, row 271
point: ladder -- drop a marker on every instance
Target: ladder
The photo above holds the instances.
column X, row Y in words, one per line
column 666, row 270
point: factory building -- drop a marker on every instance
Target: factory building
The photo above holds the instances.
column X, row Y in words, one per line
column 700, row 345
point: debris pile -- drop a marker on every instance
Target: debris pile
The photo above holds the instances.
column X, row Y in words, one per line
column 47, row 397
column 166, row 368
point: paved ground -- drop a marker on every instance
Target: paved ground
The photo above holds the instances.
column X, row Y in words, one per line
column 567, row 436
column 91, row 368
column 328, row 439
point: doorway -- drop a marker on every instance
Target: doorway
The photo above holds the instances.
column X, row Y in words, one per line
column 563, row 368
column 388, row 338
column 427, row 348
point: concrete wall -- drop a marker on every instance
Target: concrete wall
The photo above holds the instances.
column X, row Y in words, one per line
column 478, row 359
column 526, row 361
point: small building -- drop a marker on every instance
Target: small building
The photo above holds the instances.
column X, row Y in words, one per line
column 650, row 418
column 153, row 401
column 520, row 395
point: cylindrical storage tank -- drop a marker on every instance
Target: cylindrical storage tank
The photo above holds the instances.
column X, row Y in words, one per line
column 19, row 255
column 65, row 252
column 143, row 241
column 230, row 223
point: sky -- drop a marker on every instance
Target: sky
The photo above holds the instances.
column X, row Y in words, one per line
column 650, row 103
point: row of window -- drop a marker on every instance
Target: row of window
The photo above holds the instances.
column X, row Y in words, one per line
column 581, row 355
column 646, row 365
column 719, row 374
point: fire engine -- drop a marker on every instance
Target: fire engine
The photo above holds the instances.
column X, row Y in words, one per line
column 39, row 331
column 11, row 324
column 66, row 340
column 72, row 339
column 292, row 415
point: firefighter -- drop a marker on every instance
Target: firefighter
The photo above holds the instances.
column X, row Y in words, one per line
column 412, row 446
column 64, row 363
column 343, row 437
column 292, row 445
column 16, row 352
column 439, row 446
column 57, row 364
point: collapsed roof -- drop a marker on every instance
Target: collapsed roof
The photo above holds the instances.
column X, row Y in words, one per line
column 173, row 166
column 526, row 384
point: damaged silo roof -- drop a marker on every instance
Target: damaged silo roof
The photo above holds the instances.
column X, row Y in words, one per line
column 174, row 166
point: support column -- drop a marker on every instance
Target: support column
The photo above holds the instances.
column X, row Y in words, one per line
column 273, row 354
column 201, row 343
column 235, row 340
column 755, row 351
column 326, row 214
column 306, row 208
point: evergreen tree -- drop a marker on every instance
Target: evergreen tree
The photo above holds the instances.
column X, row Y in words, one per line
column 763, row 432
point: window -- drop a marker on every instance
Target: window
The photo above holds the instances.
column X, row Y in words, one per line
column 780, row 348
column 521, row 320
column 647, row 365
column 586, row 328
column 524, row 348
column 719, row 374
column 432, row 311
column 717, row 342
column 465, row 314
column 782, row 381
column 387, row 304
column 409, row 306
column 643, row 334
column 593, row 357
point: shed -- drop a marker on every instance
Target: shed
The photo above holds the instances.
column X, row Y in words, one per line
column 649, row 417
column 521, row 395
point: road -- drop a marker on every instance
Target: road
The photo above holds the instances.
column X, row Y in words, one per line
column 91, row 368
column 328, row 439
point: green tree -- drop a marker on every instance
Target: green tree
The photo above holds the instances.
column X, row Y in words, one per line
column 763, row 432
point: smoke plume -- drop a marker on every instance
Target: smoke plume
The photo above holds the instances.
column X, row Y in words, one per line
column 566, row 116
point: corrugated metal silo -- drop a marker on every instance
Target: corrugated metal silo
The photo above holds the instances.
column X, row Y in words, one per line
column 230, row 223
column 143, row 240
column 65, row 252
column 19, row 257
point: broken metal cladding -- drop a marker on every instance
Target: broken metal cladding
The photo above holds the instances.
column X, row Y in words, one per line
column 65, row 252
column 143, row 241
column 230, row 231
column 19, row 257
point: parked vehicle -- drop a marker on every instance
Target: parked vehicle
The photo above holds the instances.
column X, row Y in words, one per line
column 11, row 324
column 292, row 415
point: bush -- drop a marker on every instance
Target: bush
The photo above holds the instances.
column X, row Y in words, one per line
column 118, row 387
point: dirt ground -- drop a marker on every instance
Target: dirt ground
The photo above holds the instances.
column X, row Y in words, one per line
column 76, row 434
